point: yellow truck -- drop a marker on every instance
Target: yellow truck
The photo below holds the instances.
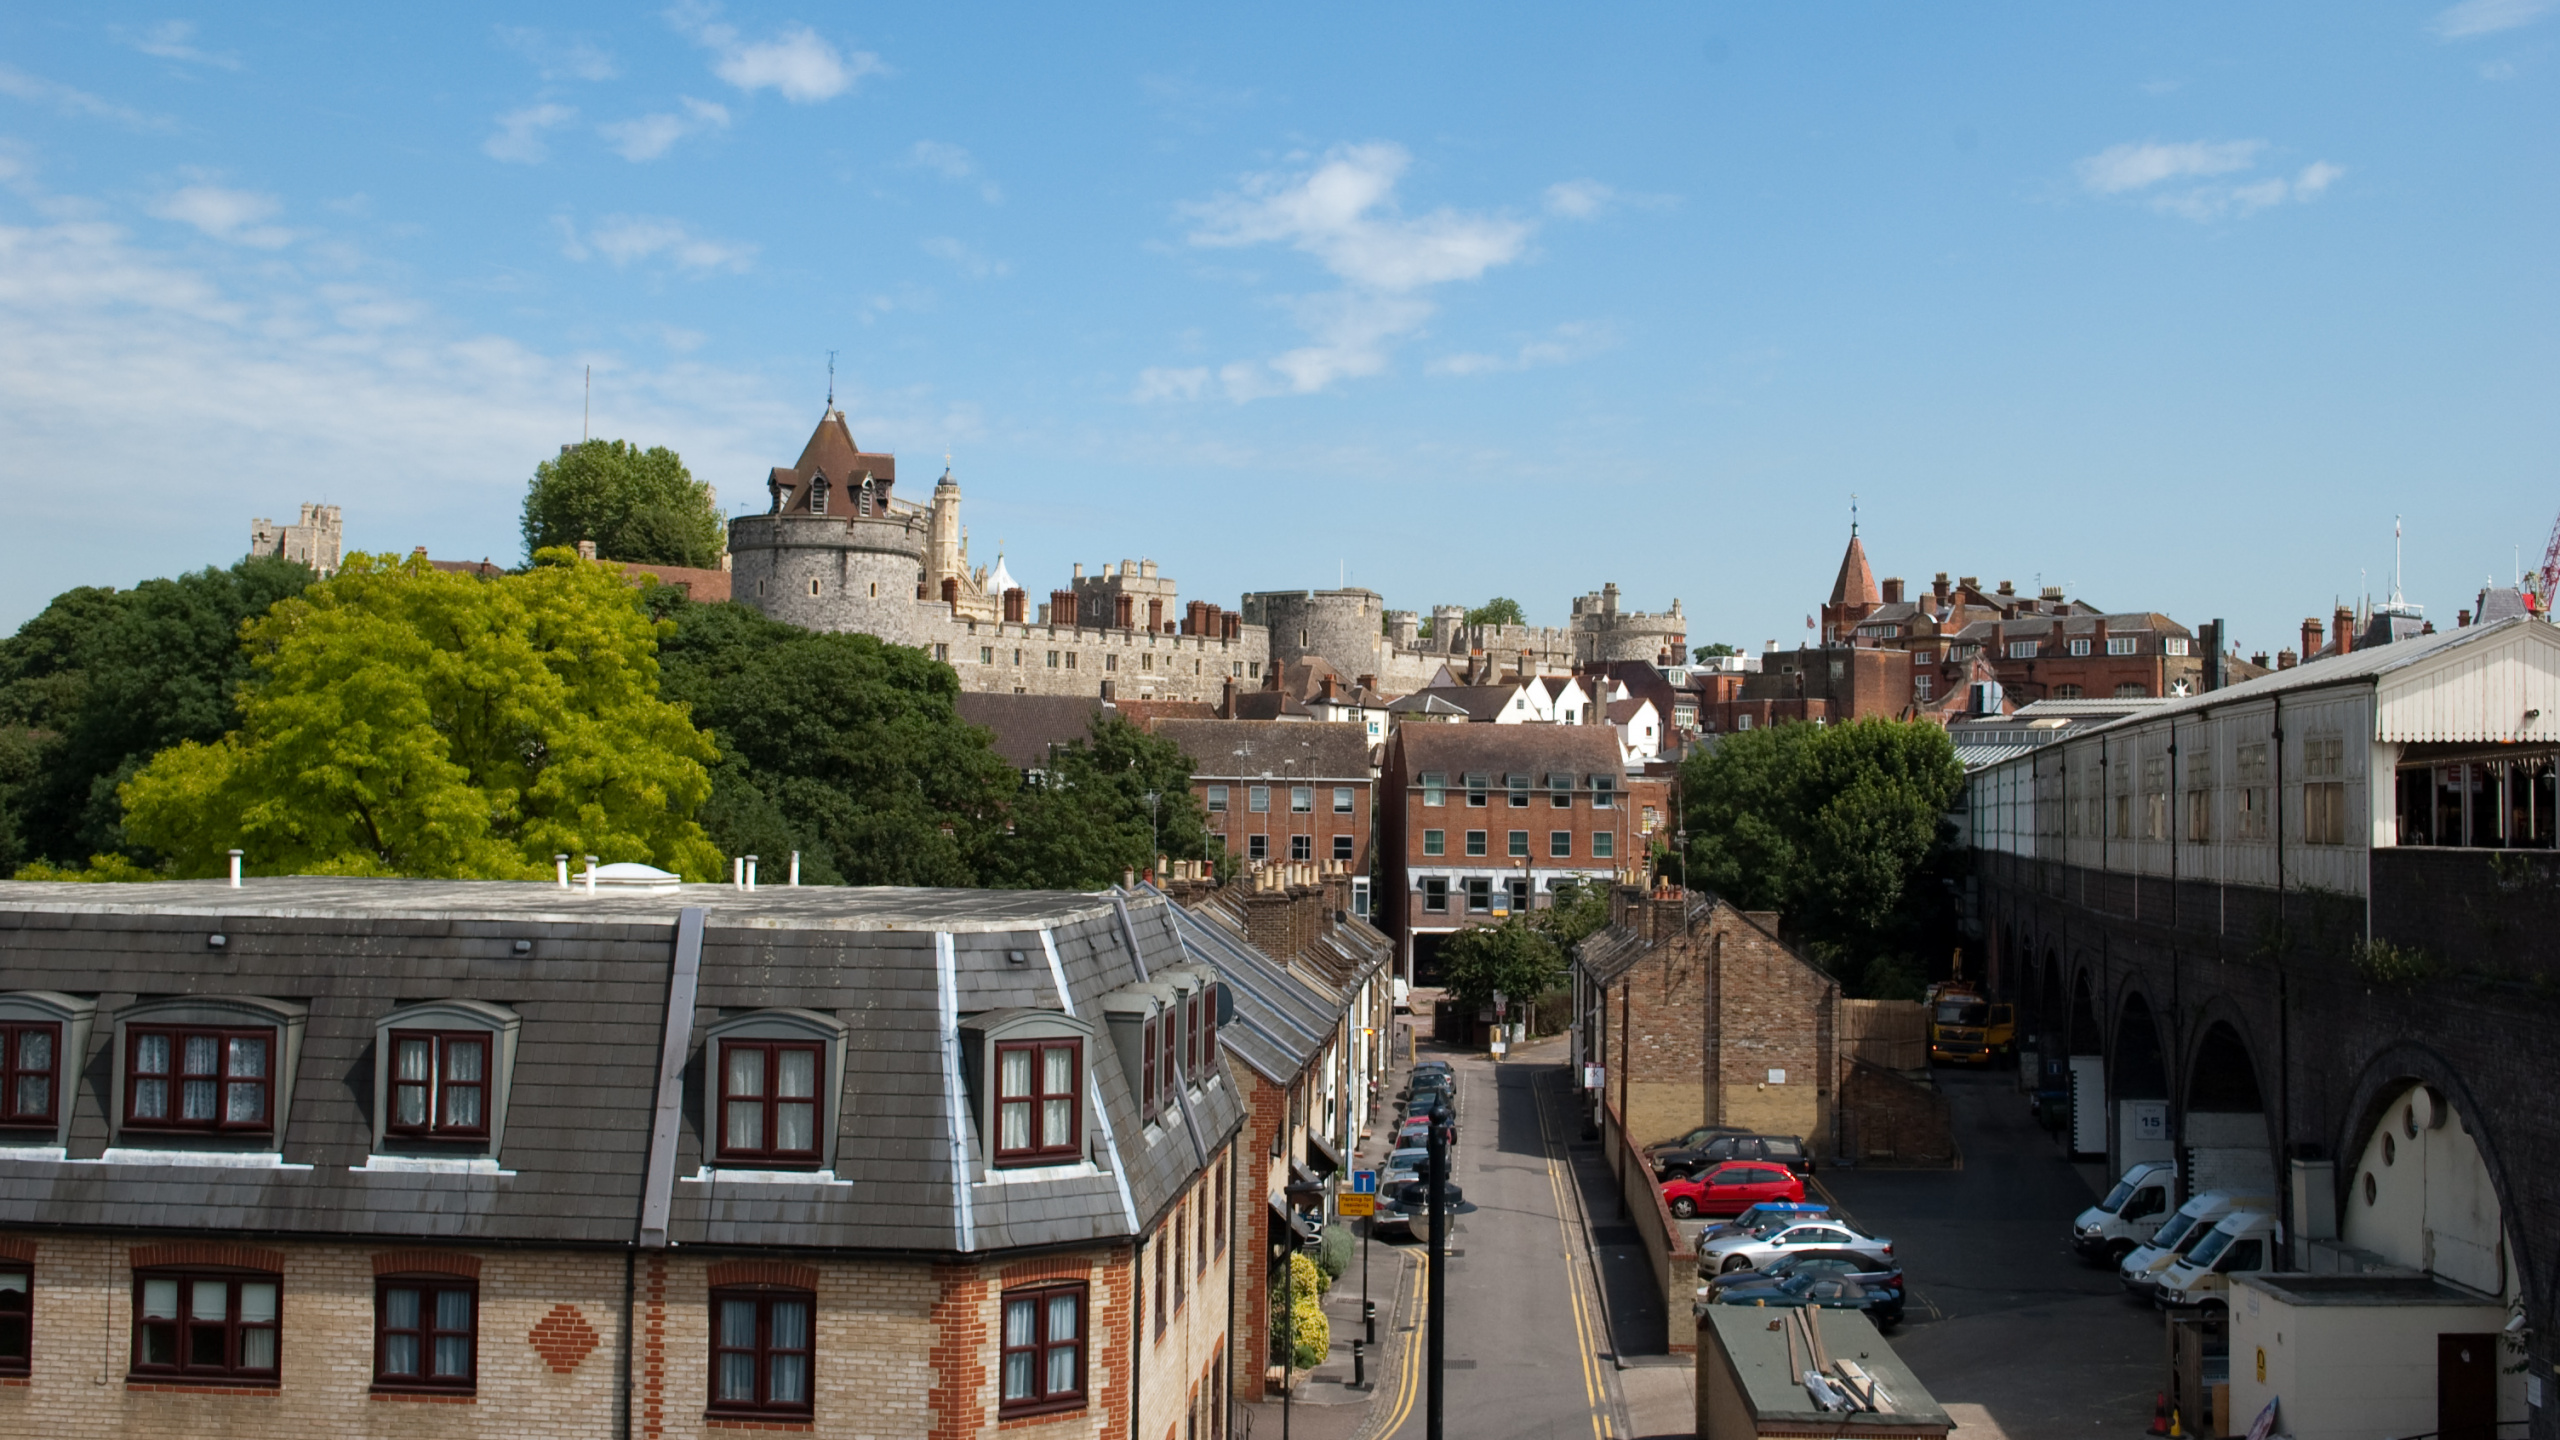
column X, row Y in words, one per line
column 1967, row 1029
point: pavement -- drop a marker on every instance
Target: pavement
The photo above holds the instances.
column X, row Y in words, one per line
column 2004, row 1319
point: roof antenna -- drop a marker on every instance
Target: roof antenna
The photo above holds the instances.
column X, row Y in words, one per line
column 831, row 380
column 587, row 409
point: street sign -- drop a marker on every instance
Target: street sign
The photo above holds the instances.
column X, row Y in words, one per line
column 1364, row 1182
column 1594, row 1076
column 1352, row 1207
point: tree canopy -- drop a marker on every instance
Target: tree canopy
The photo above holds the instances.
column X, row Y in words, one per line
column 1713, row 650
column 1087, row 819
column 1500, row 610
column 637, row 505
column 406, row 721
column 102, row 680
column 1842, row 829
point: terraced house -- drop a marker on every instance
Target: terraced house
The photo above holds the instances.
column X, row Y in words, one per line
column 421, row 1158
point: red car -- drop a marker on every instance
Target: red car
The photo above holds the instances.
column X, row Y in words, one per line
column 1730, row 1189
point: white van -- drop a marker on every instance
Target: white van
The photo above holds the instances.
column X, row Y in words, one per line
column 2129, row 1214
column 2140, row 1270
column 2243, row 1243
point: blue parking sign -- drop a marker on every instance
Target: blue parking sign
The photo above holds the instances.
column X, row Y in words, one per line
column 1364, row 1182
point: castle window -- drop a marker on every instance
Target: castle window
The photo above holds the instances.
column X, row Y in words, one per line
column 818, row 496
column 875, row 589
column 986, row 654
column 1053, row 659
column 942, row 653
column 813, row 587
column 1071, row 659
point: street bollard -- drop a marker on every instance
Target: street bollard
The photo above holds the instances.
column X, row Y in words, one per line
column 1369, row 1319
column 1359, row 1365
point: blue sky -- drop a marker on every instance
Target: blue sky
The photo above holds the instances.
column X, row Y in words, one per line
column 2177, row 306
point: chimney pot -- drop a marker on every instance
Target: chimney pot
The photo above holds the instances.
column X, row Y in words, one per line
column 1893, row 591
column 2462, row 619
column 2311, row 642
column 2343, row 626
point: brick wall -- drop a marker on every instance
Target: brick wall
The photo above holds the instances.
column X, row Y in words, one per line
column 1892, row 1119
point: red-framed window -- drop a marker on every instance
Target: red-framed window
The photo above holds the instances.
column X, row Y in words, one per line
column 1147, row 1065
column 30, row 1073
column 1222, row 1204
column 769, row 1108
column 1044, row 1359
column 1208, row 1032
column 1166, row 1075
column 209, row 1326
column 1038, row 1121
column 1191, row 1035
column 199, row 1078
column 426, row 1333
column 439, row 1083
column 763, row 1348
column 17, row 1317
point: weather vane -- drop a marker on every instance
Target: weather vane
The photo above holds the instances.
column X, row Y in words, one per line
column 831, row 379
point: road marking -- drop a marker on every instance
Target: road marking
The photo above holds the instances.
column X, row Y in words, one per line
column 1409, row 1382
column 1587, row 1350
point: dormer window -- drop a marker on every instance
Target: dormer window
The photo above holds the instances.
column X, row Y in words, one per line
column 38, row 1030
column 1038, row 1119
column 818, row 495
column 442, row 1078
column 206, row 1067
column 775, row 1077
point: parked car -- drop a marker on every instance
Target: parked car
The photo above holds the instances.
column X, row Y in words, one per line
column 1848, row 1264
column 1430, row 1072
column 2129, row 1216
column 2141, row 1268
column 1780, row 1235
column 2242, row 1243
column 1786, row 1150
column 1762, row 1214
column 1692, row 1140
column 1833, row 1292
column 1730, row 1189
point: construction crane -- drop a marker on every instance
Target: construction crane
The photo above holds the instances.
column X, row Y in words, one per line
column 2549, row 579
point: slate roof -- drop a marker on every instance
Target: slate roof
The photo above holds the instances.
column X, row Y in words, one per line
column 1282, row 1018
column 1481, row 702
column 1251, row 749
column 592, row 994
column 1425, row 702
column 1505, row 749
column 1269, row 705
column 1026, row 726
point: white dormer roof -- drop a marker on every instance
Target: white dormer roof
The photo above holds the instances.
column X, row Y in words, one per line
column 1002, row 580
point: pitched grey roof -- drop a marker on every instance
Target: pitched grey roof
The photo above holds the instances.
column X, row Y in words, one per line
column 1250, row 749
column 1504, row 749
column 1282, row 1018
column 1026, row 726
column 592, row 992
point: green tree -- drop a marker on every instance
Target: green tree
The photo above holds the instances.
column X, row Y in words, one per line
column 1514, row 958
column 405, row 721
column 837, row 746
column 1842, row 829
column 1500, row 610
column 102, row 680
column 1578, row 909
column 1088, row 819
column 637, row 505
column 1710, row 652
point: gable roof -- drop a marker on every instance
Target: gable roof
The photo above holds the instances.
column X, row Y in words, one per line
column 1252, row 749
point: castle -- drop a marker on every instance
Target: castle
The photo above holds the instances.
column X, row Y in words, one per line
column 1354, row 632
column 314, row 542
column 838, row 550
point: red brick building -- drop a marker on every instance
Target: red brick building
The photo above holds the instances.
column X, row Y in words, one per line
column 1282, row 790
column 1479, row 822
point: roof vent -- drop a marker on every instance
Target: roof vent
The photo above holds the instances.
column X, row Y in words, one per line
column 632, row 875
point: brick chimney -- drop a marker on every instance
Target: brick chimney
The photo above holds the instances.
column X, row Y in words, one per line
column 2311, row 643
column 1938, row 588
column 2462, row 619
column 2286, row 660
column 1227, row 698
column 1013, row 602
column 1893, row 591
column 2343, row 625
column 1062, row 608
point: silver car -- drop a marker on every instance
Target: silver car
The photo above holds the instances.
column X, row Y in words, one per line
column 1782, row 1236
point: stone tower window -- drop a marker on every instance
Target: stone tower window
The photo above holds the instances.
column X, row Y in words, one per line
column 813, row 587
column 818, row 496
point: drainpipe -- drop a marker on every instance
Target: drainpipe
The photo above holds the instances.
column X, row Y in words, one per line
column 2284, row 986
column 1137, row 1329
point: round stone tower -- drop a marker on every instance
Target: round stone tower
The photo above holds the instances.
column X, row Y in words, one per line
column 1343, row 627
column 832, row 573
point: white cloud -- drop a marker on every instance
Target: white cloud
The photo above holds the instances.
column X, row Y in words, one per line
column 2485, row 17
column 2150, row 168
column 1343, row 213
column 629, row 239
column 1578, row 199
column 576, row 60
column 954, row 164
column 649, row 136
column 36, row 90
column 1156, row 383
column 232, row 215
column 518, row 138
column 1561, row 346
column 173, row 40
column 2133, row 167
column 963, row 257
column 799, row 64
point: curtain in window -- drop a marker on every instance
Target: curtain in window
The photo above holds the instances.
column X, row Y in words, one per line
column 746, row 1099
column 1016, row 1082
column 453, row 1337
column 790, row 1377
column 400, row 1314
column 1058, row 1084
column 1062, row 1349
column 738, row 1350
column 1021, row 1319
column 796, row 1124
column 415, row 1070
column 465, row 1068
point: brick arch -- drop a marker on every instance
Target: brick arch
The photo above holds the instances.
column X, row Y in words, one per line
column 2131, row 1007
column 426, row 1262
column 1027, row 1272
column 206, row 1252
column 2384, row 1077
column 14, row 1248
column 762, row 1272
column 2220, row 1009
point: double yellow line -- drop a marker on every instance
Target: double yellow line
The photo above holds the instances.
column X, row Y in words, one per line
column 1409, row 1381
column 1594, row 1386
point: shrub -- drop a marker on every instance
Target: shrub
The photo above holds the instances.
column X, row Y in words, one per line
column 1310, row 1335
column 2382, row 963
column 1335, row 1253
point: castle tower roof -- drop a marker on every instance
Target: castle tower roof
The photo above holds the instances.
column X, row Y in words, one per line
column 831, row 452
column 1857, row 582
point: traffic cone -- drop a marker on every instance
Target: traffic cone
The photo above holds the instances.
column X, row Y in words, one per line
column 2159, row 1413
column 2174, row 1431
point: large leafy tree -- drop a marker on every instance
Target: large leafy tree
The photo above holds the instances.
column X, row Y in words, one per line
column 102, row 680
column 1500, row 610
column 1088, row 818
column 405, row 721
column 636, row 505
column 839, row 747
column 1841, row 828
column 1516, row 959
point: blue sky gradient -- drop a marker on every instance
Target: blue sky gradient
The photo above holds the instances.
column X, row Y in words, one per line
column 2174, row 306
